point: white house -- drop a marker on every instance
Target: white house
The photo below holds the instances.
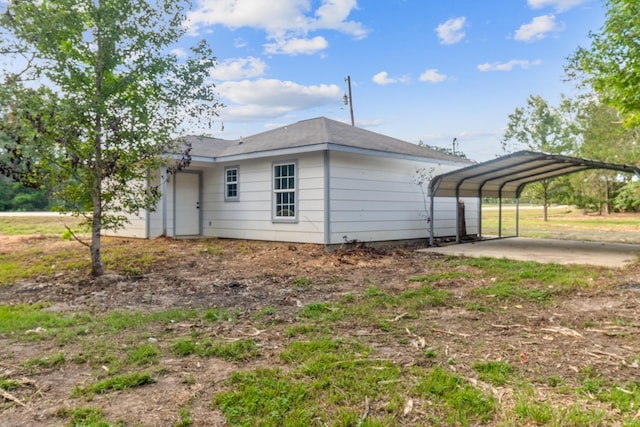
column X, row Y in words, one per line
column 316, row 181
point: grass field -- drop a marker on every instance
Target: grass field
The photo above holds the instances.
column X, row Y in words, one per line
column 564, row 222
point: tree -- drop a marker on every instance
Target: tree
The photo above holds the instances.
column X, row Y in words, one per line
column 611, row 65
column 603, row 138
column 95, row 99
column 541, row 127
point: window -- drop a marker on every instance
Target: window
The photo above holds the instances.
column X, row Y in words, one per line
column 284, row 191
column 231, row 182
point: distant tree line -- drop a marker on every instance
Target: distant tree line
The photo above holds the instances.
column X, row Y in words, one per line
column 15, row 197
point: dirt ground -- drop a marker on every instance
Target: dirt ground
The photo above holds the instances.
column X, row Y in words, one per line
column 596, row 327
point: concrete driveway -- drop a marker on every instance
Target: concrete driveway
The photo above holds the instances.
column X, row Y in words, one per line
column 547, row 251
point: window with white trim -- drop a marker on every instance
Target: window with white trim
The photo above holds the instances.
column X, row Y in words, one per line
column 231, row 184
column 284, row 191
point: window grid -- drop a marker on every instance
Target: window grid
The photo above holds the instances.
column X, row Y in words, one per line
column 231, row 184
column 284, row 186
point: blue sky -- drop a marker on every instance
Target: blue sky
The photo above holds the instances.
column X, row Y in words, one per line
column 421, row 70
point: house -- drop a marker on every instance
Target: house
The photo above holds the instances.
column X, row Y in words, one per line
column 315, row 181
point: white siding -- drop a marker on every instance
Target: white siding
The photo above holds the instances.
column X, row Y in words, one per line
column 377, row 199
column 371, row 199
column 142, row 224
column 251, row 216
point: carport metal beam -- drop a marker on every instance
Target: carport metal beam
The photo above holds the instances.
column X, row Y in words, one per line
column 509, row 175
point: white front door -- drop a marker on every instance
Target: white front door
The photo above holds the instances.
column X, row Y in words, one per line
column 187, row 204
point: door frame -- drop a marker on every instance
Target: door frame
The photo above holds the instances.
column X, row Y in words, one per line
column 175, row 186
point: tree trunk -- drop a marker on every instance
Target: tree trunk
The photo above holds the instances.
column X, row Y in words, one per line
column 607, row 194
column 97, row 268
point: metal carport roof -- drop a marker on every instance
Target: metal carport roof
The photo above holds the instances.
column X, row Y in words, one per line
column 506, row 176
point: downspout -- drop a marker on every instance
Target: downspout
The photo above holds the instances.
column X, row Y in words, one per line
column 163, row 178
column 147, row 211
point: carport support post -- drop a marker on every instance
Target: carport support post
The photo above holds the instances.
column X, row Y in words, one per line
column 480, row 215
column 517, row 217
column 430, row 218
column 457, row 218
column 500, row 215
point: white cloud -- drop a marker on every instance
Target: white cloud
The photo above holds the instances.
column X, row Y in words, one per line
column 239, row 68
column 508, row 66
column 559, row 5
column 451, row 31
column 538, row 29
column 288, row 20
column 296, row 46
column 264, row 98
column 179, row 52
column 382, row 78
column 333, row 14
column 433, row 76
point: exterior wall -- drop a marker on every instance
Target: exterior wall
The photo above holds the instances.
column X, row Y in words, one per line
column 377, row 199
column 144, row 223
column 370, row 199
column 444, row 216
column 251, row 216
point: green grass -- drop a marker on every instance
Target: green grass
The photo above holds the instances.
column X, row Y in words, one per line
column 457, row 402
column 85, row 416
column 241, row 350
column 45, row 362
column 302, row 282
column 143, row 354
column 328, row 380
column 8, row 384
column 529, row 280
column 563, row 222
column 495, row 372
column 115, row 383
column 53, row 225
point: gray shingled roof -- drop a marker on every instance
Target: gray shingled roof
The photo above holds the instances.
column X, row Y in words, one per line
column 321, row 132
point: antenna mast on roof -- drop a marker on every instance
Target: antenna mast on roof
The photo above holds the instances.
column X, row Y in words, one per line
column 349, row 99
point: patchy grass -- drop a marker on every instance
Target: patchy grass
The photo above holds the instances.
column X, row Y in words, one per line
column 495, row 372
column 115, row 383
column 47, row 225
column 241, row 350
column 84, row 416
column 438, row 341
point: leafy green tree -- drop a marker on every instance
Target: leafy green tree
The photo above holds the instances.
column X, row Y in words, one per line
column 603, row 137
column 16, row 197
column 539, row 126
column 95, row 97
column 610, row 65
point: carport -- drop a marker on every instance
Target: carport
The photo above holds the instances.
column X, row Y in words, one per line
column 506, row 177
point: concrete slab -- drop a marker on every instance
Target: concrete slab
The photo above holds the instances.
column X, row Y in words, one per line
column 547, row 251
